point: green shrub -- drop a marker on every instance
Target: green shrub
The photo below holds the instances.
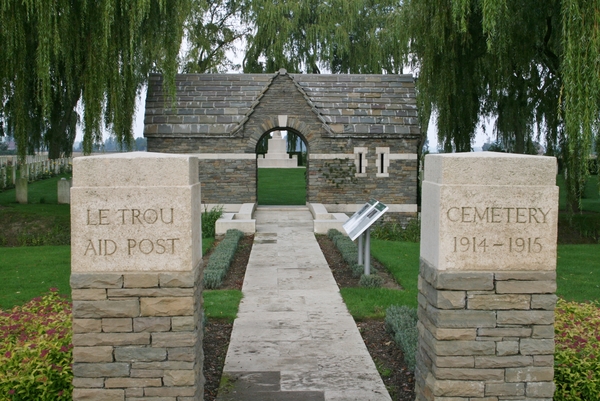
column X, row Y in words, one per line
column 401, row 322
column 577, row 353
column 36, row 350
column 357, row 270
column 392, row 231
column 345, row 245
column 209, row 218
column 221, row 258
column 370, row 281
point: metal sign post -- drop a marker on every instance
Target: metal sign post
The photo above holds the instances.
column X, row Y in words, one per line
column 359, row 225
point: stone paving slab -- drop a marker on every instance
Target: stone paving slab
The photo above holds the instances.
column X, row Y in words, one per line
column 294, row 338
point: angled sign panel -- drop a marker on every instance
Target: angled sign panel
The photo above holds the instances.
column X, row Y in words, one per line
column 364, row 218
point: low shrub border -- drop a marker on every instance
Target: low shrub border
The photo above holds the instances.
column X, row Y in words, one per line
column 36, row 351
column 577, row 353
column 221, row 258
column 401, row 323
column 349, row 251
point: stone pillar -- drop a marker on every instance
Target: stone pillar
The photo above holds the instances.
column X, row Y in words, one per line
column 64, row 191
column 21, row 190
column 487, row 278
column 136, row 277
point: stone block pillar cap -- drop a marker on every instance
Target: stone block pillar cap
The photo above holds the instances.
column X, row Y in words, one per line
column 490, row 168
column 137, row 169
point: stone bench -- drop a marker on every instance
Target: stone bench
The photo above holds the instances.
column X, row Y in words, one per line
column 242, row 220
column 324, row 221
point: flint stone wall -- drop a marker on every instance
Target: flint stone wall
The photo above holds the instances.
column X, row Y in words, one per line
column 487, row 279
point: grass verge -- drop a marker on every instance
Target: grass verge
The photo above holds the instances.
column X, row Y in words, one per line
column 281, row 186
column 402, row 260
column 221, row 304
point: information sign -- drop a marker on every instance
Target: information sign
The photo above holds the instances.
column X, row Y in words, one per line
column 364, row 218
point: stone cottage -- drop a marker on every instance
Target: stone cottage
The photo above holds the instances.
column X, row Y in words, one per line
column 361, row 133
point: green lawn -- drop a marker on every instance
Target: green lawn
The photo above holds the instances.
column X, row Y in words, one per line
column 28, row 272
column 221, row 304
column 578, row 272
column 43, row 191
column 281, row 186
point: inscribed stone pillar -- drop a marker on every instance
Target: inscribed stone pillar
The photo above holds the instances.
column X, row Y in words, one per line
column 21, row 190
column 136, row 277
column 487, row 278
column 64, row 191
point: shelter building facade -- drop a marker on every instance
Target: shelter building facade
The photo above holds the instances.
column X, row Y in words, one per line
column 361, row 133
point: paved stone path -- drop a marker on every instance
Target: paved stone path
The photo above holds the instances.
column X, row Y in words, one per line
column 293, row 338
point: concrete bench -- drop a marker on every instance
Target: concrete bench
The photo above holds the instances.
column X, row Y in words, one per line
column 241, row 220
column 324, row 221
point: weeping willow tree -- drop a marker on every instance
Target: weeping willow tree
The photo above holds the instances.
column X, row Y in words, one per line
column 342, row 36
column 56, row 54
column 533, row 65
column 214, row 33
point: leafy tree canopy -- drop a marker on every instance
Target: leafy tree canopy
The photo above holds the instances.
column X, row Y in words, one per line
column 306, row 36
column 534, row 65
column 57, row 53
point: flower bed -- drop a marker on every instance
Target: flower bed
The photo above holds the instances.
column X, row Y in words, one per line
column 35, row 350
column 577, row 354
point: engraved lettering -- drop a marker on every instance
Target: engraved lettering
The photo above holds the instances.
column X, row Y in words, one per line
column 532, row 213
column 496, row 214
column 122, row 215
column 102, row 217
column 510, row 215
column 544, row 214
column 159, row 244
column 162, row 218
column 482, row 216
column 90, row 246
column 448, row 214
column 88, row 219
column 110, row 247
column 131, row 243
column 173, row 243
column 466, row 215
column 148, row 248
column 150, row 216
column 135, row 214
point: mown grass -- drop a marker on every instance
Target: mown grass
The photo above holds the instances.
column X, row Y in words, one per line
column 42, row 191
column 42, row 221
column 28, row 272
column 578, row 272
column 281, row 186
column 402, row 261
column 221, row 304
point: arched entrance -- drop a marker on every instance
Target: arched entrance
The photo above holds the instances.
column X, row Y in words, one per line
column 281, row 163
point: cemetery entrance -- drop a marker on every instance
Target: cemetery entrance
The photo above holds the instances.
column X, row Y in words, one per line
column 361, row 131
column 281, row 162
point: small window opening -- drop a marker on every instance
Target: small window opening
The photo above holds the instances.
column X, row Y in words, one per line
column 360, row 163
column 381, row 163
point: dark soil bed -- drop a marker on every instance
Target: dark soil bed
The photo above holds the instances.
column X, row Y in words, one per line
column 384, row 351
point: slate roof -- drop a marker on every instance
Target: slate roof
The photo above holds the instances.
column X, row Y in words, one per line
column 220, row 104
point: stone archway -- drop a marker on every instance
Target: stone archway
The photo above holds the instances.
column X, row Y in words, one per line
column 281, row 180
